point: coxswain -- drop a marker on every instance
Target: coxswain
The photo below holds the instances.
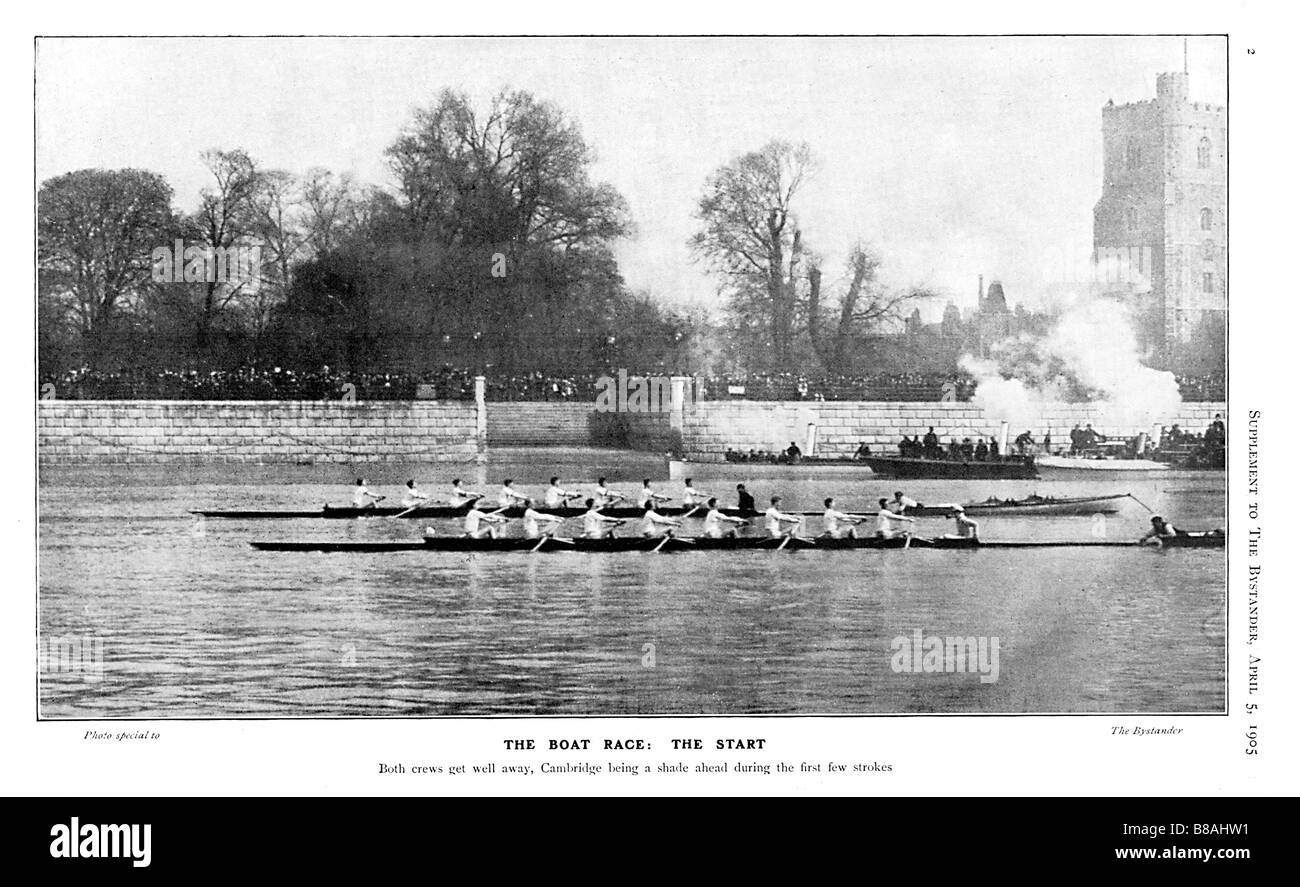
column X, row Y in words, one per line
column 890, row 525
column 744, row 501
column 362, row 497
column 902, row 504
column 837, row 524
column 481, row 524
column 459, row 495
column 1160, row 529
column 509, row 496
column 534, row 520
column 413, row 495
column 595, row 525
column 655, row 524
column 714, row 520
column 648, row 498
column 604, row 496
column 776, row 520
column 966, row 528
column 557, row 497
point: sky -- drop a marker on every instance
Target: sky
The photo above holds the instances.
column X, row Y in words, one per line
column 952, row 157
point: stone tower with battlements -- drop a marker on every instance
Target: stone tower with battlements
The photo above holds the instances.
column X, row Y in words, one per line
column 1160, row 227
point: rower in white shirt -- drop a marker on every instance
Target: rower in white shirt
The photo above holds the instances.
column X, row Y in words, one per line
column 648, row 498
column 890, row 525
column 509, row 496
column 902, row 504
column 362, row 497
column 837, row 524
column 481, row 524
column 460, row 495
column 966, row 528
column 536, row 524
column 692, row 497
column 655, row 524
column 595, row 525
column 715, row 519
column 557, row 497
column 413, row 496
column 605, row 496
column 777, row 521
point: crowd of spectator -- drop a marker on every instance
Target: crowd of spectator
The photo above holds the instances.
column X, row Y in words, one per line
column 451, row 383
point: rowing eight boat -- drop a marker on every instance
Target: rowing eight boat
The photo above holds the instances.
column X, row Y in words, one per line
column 1029, row 506
column 703, row 543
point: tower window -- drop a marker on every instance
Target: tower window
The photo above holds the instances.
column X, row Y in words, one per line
column 1209, row 251
column 1132, row 154
column 1203, row 153
column 1207, row 219
column 1207, row 282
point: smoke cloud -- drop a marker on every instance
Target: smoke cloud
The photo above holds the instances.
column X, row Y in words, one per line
column 1089, row 353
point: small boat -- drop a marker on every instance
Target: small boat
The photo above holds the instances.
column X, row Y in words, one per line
column 1211, row 539
column 1080, row 466
column 1030, row 506
column 1012, row 468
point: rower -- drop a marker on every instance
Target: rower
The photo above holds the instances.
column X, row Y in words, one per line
column 604, row 496
column 556, row 497
column 837, row 524
column 509, row 496
column 475, row 521
column 889, row 524
column 362, row 497
column 966, row 528
column 744, row 501
column 648, row 498
column 534, row 519
column 692, row 496
column 714, row 520
column 1160, row 529
column 413, row 495
column 655, row 524
column 902, row 504
column 776, row 519
column 595, row 525
column 460, row 495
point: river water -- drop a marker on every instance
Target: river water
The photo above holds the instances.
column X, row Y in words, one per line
column 177, row 617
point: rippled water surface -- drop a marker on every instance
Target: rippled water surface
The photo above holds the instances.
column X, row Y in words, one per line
column 194, row 623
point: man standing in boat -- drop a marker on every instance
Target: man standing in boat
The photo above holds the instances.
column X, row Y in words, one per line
column 837, row 524
column 744, row 501
column 557, row 497
column 596, row 525
column 362, row 497
column 715, row 519
column 890, row 525
column 778, row 520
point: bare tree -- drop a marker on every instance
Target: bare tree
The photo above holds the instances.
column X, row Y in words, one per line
column 225, row 222
column 749, row 235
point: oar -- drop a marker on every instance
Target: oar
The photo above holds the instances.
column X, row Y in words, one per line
column 415, row 507
column 1140, row 502
column 661, row 544
column 689, row 513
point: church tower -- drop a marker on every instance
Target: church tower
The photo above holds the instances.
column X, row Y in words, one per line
column 1160, row 227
